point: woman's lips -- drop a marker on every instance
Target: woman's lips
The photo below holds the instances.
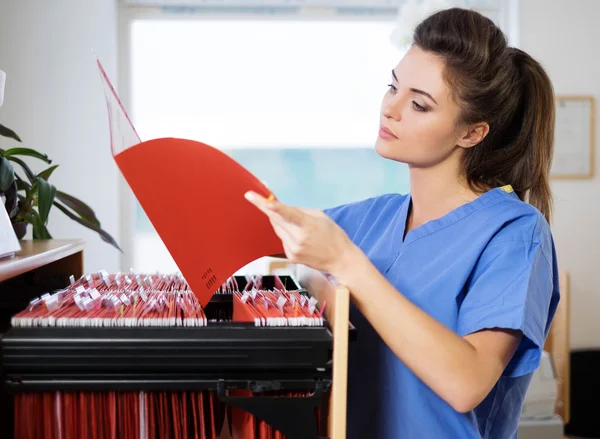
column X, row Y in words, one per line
column 386, row 134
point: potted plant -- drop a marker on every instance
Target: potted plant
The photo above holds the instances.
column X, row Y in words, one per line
column 29, row 199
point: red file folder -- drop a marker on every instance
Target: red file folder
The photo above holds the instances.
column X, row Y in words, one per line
column 193, row 194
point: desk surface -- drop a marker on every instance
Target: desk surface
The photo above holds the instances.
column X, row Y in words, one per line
column 37, row 253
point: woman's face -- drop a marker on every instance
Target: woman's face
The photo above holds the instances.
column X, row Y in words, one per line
column 418, row 114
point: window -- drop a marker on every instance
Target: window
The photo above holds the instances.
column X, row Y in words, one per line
column 296, row 102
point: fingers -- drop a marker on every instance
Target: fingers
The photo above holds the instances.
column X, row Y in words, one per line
column 287, row 239
column 287, row 231
column 265, row 205
column 289, row 213
column 259, row 201
column 272, row 208
column 282, row 229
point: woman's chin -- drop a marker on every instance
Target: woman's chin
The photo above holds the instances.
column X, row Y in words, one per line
column 392, row 151
column 386, row 149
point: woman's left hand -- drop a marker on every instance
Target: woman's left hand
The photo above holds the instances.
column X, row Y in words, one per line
column 309, row 236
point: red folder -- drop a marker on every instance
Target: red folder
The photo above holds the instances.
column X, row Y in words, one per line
column 193, row 194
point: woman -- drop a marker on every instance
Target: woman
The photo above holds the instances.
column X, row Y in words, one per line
column 454, row 285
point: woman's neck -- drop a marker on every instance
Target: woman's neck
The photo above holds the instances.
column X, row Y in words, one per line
column 434, row 193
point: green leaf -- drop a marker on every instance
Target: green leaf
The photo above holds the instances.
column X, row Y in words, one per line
column 11, row 199
column 27, row 152
column 7, row 174
column 103, row 234
column 22, row 185
column 29, row 172
column 39, row 228
column 47, row 172
column 7, row 132
column 82, row 209
column 46, row 193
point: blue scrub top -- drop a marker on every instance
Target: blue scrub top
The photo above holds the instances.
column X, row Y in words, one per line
column 490, row 263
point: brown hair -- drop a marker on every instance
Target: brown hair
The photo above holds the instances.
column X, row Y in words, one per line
column 504, row 87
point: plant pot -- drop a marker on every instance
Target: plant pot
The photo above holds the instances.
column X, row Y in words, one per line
column 20, row 229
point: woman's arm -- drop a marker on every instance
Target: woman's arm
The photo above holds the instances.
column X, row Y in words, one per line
column 461, row 370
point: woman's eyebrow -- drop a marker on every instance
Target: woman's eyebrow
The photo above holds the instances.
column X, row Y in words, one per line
column 416, row 90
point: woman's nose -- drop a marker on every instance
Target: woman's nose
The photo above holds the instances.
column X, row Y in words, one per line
column 392, row 108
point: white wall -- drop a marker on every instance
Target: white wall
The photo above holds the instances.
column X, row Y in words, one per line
column 564, row 36
column 54, row 100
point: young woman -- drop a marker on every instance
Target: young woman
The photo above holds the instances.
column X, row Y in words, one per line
column 454, row 286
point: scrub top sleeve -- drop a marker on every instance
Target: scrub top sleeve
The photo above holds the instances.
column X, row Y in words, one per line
column 514, row 286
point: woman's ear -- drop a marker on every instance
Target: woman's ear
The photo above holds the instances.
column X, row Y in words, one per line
column 473, row 135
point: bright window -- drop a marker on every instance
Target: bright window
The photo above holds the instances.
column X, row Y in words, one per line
column 243, row 83
column 296, row 102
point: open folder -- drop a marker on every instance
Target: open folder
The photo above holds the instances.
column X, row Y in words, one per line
column 193, row 194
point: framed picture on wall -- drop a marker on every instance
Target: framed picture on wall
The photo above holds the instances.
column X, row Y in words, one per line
column 574, row 138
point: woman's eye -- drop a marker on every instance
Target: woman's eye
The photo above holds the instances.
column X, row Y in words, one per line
column 418, row 107
column 393, row 88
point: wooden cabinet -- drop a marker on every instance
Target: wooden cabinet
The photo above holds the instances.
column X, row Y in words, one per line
column 40, row 267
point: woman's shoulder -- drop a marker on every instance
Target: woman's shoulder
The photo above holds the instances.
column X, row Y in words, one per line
column 517, row 220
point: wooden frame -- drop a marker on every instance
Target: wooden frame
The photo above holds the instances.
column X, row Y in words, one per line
column 559, row 347
column 339, row 387
column 572, row 144
column 338, row 298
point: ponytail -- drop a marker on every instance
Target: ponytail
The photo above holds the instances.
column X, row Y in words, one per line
column 531, row 174
column 504, row 87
